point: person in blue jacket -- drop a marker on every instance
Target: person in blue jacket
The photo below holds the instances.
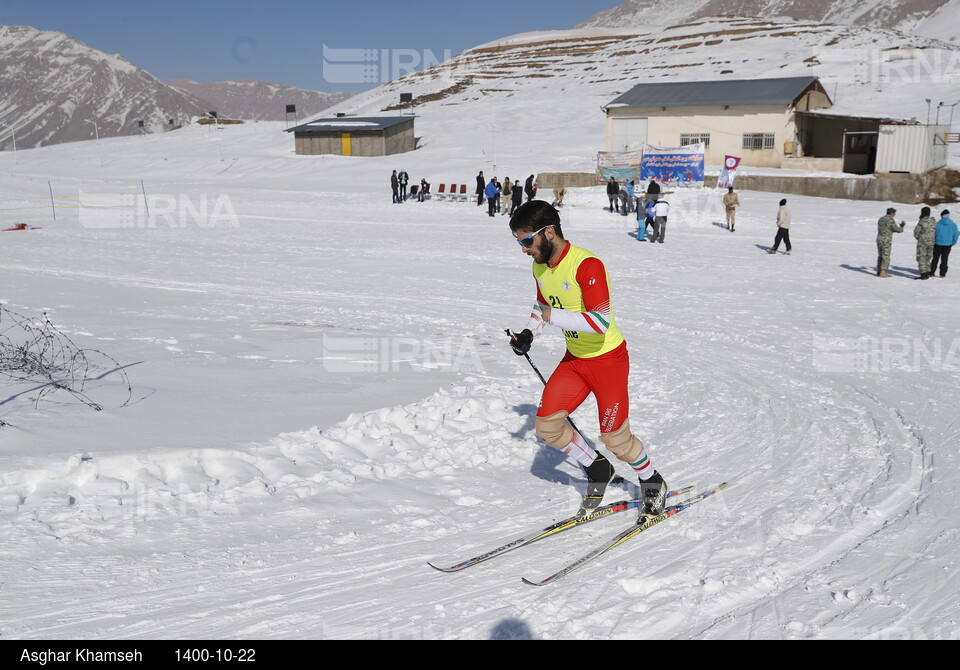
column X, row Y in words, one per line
column 946, row 237
column 492, row 191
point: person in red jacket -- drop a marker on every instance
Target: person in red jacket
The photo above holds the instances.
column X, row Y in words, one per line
column 573, row 295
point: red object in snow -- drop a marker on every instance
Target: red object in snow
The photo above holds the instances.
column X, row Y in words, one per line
column 20, row 226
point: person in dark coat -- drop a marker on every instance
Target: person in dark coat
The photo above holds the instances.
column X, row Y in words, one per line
column 653, row 191
column 529, row 189
column 517, row 196
column 481, row 184
column 395, row 185
column 613, row 194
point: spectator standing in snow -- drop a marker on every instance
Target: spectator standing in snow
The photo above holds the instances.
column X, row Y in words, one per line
column 404, row 179
column 645, row 217
column 613, row 194
column 925, row 233
column 481, row 185
column 506, row 196
column 944, row 240
column 395, row 185
column 529, row 188
column 661, row 210
column 783, row 229
column 492, row 191
column 886, row 227
column 653, row 190
column 730, row 202
column 517, row 196
column 626, row 198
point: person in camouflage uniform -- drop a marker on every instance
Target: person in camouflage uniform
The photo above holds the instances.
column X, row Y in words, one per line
column 925, row 234
column 886, row 227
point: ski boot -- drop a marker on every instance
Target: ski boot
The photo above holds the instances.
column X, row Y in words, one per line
column 599, row 474
column 654, row 494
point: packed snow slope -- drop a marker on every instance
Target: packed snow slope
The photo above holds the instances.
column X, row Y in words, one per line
column 323, row 401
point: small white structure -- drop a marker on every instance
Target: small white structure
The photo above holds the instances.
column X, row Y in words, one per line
column 916, row 149
column 751, row 118
column 783, row 122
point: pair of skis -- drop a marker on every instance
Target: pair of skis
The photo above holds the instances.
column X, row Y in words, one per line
column 644, row 523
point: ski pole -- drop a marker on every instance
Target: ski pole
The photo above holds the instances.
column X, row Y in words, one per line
column 513, row 336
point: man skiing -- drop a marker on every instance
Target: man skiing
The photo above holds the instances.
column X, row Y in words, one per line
column 573, row 294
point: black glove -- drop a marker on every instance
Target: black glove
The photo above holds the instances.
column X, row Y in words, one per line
column 520, row 342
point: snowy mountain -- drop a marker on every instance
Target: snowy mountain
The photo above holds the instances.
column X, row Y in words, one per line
column 255, row 100
column 53, row 87
column 586, row 68
column 942, row 24
column 900, row 15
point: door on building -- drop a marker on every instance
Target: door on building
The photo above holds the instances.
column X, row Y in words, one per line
column 345, row 144
column 628, row 134
column 860, row 152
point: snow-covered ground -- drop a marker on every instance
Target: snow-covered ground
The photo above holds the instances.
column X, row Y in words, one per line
column 323, row 401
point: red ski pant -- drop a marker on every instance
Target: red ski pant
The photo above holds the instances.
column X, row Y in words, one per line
column 575, row 378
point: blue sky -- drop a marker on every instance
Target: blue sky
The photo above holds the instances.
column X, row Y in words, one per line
column 283, row 41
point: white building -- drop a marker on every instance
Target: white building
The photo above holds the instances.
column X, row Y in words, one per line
column 782, row 122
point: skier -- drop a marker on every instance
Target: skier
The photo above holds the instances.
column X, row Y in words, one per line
column 925, row 234
column 573, row 294
column 886, row 227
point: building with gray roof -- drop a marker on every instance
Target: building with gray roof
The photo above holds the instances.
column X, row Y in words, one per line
column 750, row 118
column 355, row 136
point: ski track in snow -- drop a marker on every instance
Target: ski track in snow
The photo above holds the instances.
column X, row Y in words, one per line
column 131, row 524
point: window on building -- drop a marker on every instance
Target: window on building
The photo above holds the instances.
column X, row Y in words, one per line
column 695, row 138
column 758, row 140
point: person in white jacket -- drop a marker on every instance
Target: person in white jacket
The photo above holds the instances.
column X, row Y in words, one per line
column 660, row 213
column 783, row 229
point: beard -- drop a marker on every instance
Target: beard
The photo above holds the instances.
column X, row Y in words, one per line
column 545, row 252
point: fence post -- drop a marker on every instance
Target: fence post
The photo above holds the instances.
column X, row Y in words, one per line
column 146, row 206
column 53, row 205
